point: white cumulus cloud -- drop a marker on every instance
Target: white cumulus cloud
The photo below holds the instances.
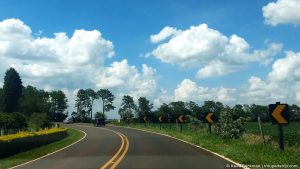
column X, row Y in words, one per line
column 164, row 34
column 70, row 62
column 282, row 83
column 282, row 12
column 206, row 49
column 188, row 90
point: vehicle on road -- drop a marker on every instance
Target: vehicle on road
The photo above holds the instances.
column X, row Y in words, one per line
column 99, row 122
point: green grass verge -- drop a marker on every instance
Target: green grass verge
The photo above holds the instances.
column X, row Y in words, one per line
column 73, row 135
column 246, row 150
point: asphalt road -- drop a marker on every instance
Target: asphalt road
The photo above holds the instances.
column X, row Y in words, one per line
column 115, row 147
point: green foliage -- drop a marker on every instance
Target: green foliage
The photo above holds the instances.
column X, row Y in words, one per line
column 38, row 121
column 214, row 107
column 259, row 111
column 1, row 100
column 100, row 115
column 144, row 109
column 82, row 104
column 291, row 132
column 228, row 127
column 12, row 90
column 294, row 112
column 13, row 121
column 107, row 100
column 58, row 104
column 30, row 141
column 92, row 95
column 127, row 109
column 34, row 100
column 20, row 158
column 178, row 108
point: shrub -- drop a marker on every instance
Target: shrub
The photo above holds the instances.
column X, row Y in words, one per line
column 38, row 121
column 229, row 128
column 13, row 121
column 22, row 141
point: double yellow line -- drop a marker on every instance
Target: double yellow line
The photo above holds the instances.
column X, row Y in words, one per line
column 117, row 158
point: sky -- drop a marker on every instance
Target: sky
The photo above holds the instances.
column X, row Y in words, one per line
column 236, row 52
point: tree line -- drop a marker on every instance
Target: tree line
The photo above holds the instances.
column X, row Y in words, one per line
column 130, row 111
column 23, row 106
column 84, row 102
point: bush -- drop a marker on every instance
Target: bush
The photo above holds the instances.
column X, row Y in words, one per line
column 229, row 128
column 16, row 143
column 38, row 121
column 13, row 121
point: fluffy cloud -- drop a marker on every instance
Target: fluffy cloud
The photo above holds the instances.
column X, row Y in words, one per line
column 188, row 90
column 60, row 61
column 127, row 79
column 282, row 83
column 164, row 34
column 206, row 49
column 70, row 63
column 282, row 11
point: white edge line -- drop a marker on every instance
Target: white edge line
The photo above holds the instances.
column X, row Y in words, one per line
column 52, row 152
column 219, row 155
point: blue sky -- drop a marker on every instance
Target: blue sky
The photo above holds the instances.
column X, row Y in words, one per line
column 128, row 25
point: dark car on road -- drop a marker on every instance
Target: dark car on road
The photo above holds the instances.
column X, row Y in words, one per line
column 99, row 122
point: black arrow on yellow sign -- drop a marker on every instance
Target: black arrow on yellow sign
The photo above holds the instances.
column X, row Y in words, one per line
column 181, row 118
column 209, row 118
column 145, row 118
column 279, row 113
column 160, row 118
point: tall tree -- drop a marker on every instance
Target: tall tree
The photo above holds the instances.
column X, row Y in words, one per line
column 58, row 102
column 12, row 90
column 127, row 109
column 81, row 103
column 164, row 110
column 1, row 99
column 144, row 108
column 107, row 99
column 178, row 108
column 195, row 110
column 34, row 101
column 92, row 96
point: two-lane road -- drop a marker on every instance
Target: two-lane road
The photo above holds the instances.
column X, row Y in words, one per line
column 116, row 147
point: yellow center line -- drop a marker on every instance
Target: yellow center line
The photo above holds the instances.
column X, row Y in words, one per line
column 125, row 143
column 118, row 152
column 123, row 154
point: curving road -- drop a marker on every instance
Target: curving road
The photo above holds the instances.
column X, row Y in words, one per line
column 116, row 147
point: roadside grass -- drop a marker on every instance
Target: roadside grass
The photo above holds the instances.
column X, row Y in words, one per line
column 241, row 150
column 291, row 132
column 73, row 135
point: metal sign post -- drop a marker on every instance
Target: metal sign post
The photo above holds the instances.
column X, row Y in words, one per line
column 181, row 120
column 279, row 115
column 160, row 119
column 169, row 120
column 209, row 119
column 145, row 119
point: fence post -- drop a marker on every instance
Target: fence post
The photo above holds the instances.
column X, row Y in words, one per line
column 2, row 132
column 261, row 132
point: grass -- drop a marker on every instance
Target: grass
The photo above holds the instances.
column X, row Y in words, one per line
column 73, row 135
column 291, row 132
column 248, row 150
